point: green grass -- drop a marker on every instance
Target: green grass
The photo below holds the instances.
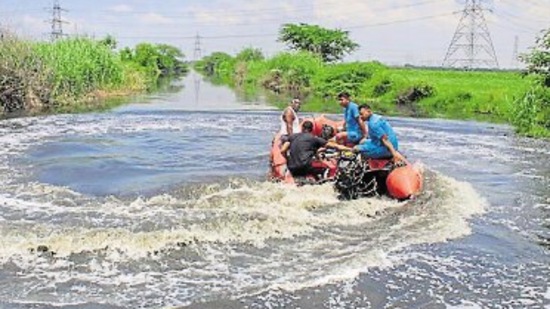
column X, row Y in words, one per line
column 76, row 74
column 492, row 96
column 466, row 94
column 81, row 65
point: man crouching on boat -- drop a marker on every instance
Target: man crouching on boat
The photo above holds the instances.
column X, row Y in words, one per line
column 382, row 141
column 303, row 148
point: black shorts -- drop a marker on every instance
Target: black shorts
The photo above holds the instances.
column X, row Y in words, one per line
column 306, row 171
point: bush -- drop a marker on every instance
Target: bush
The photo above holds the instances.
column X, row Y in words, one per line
column 531, row 113
column 414, row 94
column 292, row 71
column 25, row 83
column 382, row 88
column 333, row 79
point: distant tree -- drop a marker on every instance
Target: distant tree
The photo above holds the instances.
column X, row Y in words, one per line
column 538, row 60
column 146, row 55
column 250, row 54
column 159, row 59
column 331, row 45
column 109, row 41
column 216, row 63
column 170, row 59
column 126, row 54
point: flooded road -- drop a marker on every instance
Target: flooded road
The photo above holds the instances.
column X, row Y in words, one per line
column 162, row 203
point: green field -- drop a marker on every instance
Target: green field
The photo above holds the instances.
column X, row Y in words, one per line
column 492, row 96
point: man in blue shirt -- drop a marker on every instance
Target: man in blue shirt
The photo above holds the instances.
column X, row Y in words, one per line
column 382, row 141
column 355, row 127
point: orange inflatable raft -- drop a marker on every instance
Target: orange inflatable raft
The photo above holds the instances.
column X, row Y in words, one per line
column 353, row 176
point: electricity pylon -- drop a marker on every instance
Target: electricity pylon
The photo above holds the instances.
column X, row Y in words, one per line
column 197, row 53
column 471, row 46
column 56, row 21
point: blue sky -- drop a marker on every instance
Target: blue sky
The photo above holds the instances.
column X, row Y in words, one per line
column 391, row 31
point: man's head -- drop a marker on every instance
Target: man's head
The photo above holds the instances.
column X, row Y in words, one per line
column 296, row 104
column 307, row 126
column 343, row 97
column 365, row 111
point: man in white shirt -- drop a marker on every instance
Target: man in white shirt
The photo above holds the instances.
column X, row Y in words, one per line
column 290, row 124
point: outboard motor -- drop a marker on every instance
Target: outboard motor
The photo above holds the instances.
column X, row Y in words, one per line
column 327, row 132
column 355, row 178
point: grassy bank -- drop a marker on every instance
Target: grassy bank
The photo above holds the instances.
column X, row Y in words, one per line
column 75, row 74
column 493, row 96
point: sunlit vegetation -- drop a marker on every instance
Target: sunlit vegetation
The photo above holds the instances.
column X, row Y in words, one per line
column 532, row 111
column 309, row 72
column 396, row 91
column 71, row 74
column 329, row 44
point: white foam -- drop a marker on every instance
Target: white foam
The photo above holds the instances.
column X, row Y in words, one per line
column 464, row 305
column 318, row 239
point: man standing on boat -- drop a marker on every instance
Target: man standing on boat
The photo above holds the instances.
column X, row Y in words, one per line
column 355, row 128
column 290, row 123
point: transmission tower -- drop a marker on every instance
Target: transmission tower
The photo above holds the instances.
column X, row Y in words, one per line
column 515, row 54
column 471, row 46
column 57, row 22
column 197, row 53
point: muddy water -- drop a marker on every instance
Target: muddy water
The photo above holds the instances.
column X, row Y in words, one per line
column 163, row 203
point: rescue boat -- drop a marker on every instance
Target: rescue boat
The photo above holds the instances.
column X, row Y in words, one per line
column 353, row 175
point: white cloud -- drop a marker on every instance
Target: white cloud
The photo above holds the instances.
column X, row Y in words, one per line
column 335, row 11
column 217, row 17
column 155, row 19
column 121, row 8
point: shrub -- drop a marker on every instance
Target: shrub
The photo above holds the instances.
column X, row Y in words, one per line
column 25, row 82
column 531, row 113
column 333, row 79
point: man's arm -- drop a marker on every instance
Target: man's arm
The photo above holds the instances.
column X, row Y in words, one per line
column 335, row 145
column 284, row 148
column 289, row 119
column 362, row 126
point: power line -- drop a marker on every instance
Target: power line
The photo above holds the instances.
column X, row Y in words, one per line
column 533, row 8
column 400, row 21
column 473, row 39
column 223, row 12
column 516, row 29
column 520, row 18
column 511, row 20
column 231, row 36
column 256, row 17
column 256, row 12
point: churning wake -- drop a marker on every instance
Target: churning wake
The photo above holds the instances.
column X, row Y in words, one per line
column 230, row 237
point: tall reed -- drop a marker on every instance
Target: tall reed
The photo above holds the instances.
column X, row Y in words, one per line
column 81, row 65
